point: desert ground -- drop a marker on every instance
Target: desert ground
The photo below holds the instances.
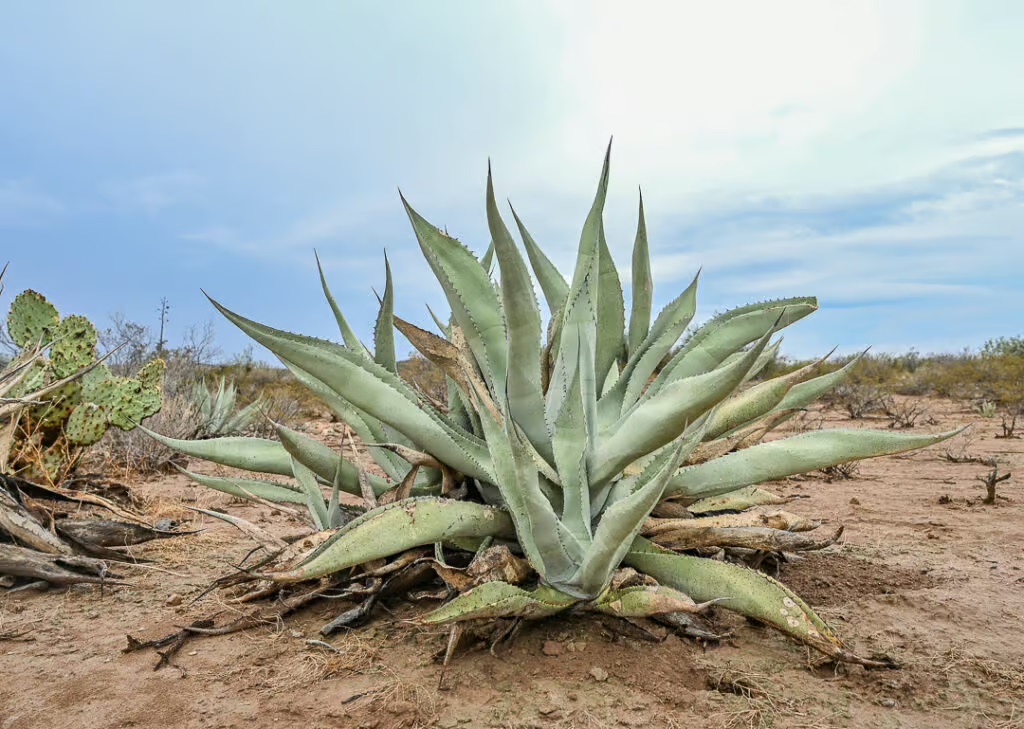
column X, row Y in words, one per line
column 924, row 573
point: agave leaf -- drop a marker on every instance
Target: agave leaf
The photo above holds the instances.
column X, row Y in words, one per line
column 622, row 521
column 500, row 600
column 661, row 419
column 643, row 287
column 668, row 327
column 247, row 488
column 384, row 332
column 790, row 456
column 644, row 601
column 244, row 417
column 327, row 465
column 756, row 401
column 738, row 500
column 334, row 513
column 251, row 454
column 314, row 496
column 804, row 393
column 396, row 527
column 728, row 332
column 347, row 335
column 366, row 427
column 441, row 326
column 570, row 443
column 471, row 296
column 768, row 355
column 487, row 260
column 552, row 283
column 437, row 350
column 372, row 389
column 547, row 543
column 579, row 317
column 743, row 590
column 522, row 316
column 611, row 309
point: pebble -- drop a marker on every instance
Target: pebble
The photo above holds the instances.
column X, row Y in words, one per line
column 173, row 600
column 551, row 648
column 599, row 674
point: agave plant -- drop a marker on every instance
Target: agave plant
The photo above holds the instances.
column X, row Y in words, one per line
column 559, row 444
column 218, row 415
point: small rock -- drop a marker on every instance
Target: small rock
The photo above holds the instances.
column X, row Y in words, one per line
column 855, row 501
column 547, row 710
column 888, row 703
column 552, row 648
column 297, row 634
column 164, row 525
column 193, row 653
column 174, row 599
column 599, row 674
column 448, row 722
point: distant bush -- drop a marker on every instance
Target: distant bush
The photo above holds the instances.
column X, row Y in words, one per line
column 424, row 374
column 1003, row 346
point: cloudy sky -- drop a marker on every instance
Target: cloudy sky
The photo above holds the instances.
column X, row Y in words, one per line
column 871, row 154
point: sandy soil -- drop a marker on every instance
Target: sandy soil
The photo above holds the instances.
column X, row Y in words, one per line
column 925, row 573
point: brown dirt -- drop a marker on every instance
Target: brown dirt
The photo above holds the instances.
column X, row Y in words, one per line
column 938, row 586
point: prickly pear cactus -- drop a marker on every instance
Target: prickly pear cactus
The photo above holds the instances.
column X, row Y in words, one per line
column 32, row 319
column 51, row 436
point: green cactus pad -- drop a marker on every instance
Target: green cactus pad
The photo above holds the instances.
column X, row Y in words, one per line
column 59, row 405
column 87, row 424
column 32, row 319
column 94, row 383
column 34, row 379
column 152, row 375
column 132, row 402
column 74, row 346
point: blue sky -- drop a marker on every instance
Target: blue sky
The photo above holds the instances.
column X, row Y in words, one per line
column 871, row 154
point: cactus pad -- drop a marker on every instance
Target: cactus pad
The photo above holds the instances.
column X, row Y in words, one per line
column 59, row 405
column 94, row 383
column 32, row 319
column 74, row 346
column 87, row 424
column 132, row 402
column 33, row 380
column 52, row 439
column 152, row 375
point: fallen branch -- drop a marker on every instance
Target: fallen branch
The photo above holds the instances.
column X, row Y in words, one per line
column 55, row 569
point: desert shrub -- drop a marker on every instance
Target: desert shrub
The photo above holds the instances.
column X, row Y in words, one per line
column 425, row 375
column 906, row 413
column 1003, row 346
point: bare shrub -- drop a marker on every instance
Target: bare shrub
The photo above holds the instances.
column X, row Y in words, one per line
column 1009, row 424
column 839, row 472
column 859, row 399
column 906, row 413
column 134, row 452
column 959, row 450
column 991, row 480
